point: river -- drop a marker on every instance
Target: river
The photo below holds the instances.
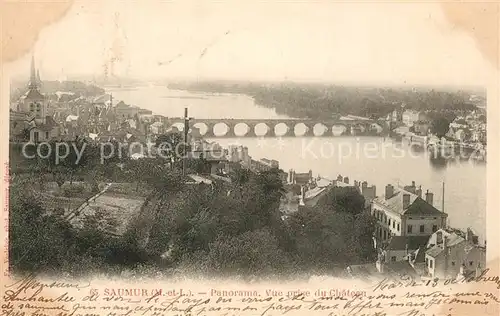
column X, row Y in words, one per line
column 376, row 160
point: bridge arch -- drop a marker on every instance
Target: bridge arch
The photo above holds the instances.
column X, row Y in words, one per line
column 261, row 129
column 220, row 129
column 202, row 127
column 319, row 129
column 241, row 129
column 281, row 129
column 300, row 129
column 339, row 129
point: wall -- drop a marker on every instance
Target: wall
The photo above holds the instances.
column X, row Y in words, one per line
column 399, row 254
column 457, row 255
column 383, row 221
column 427, row 221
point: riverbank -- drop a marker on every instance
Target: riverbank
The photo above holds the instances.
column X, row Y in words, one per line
column 376, row 160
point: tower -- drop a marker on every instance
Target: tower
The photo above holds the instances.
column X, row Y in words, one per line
column 33, row 101
column 38, row 80
column 33, row 83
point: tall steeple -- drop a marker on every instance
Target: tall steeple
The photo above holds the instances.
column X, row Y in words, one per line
column 38, row 80
column 33, row 80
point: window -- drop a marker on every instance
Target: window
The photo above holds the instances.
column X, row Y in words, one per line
column 422, row 228
column 389, row 222
column 471, row 263
column 410, row 229
column 46, row 135
column 430, row 263
column 385, row 234
column 434, row 228
column 398, row 226
column 35, row 136
column 393, row 258
column 393, row 224
column 453, row 263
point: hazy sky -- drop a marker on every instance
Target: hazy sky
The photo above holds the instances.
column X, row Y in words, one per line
column 269, row 40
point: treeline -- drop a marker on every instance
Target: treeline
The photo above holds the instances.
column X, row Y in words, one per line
column 51, row 87
column 223, row 229
column 316, row 101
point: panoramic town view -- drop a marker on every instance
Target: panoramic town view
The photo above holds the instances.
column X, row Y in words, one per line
column 100, row 184
column 117, row 173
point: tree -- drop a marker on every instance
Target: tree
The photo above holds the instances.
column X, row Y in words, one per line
column 172, row 147
column 322, row 237
column 249, row 254
column 139, row 171
column 343, row 199
column 440, row 126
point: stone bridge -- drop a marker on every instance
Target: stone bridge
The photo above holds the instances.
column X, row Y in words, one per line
column 272, row 127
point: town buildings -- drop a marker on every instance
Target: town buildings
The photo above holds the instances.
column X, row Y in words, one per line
column 30, row 120
column 451, row 252
column 403, row 212
column 410, row 117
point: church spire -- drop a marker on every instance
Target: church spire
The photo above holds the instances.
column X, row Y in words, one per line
column 33, row 82
column 38, row 80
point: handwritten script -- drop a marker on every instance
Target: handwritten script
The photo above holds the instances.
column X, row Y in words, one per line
column 31, row 296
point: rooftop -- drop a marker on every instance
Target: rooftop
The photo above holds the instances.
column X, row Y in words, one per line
column 413, row 242
column 417, row 205
column 453, row 240
column 391, row 270
column 33, row 94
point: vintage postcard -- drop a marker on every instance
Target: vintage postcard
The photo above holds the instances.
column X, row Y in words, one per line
column 249, row 158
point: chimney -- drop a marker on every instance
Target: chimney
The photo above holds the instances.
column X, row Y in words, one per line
column 310, row 174
column 439, row 237
column 290, row 176
column 406, row 201
column 389, row 191
column 340, row 178
column 346, row 180
column 303, row 192
column 445, row 244
column 356, row 184
column 429, row 197
column 470, row 235
column 413, row 184
column 293, row 176
column 419, row 192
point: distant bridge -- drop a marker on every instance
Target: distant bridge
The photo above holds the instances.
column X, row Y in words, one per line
column 273, row 127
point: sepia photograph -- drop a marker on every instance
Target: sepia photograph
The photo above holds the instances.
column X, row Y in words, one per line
column 248, row 141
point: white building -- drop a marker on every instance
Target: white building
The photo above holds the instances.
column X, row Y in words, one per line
column 403, row 212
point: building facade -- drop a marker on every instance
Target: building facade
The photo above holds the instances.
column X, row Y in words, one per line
column 401, row 212
column 451, row 253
